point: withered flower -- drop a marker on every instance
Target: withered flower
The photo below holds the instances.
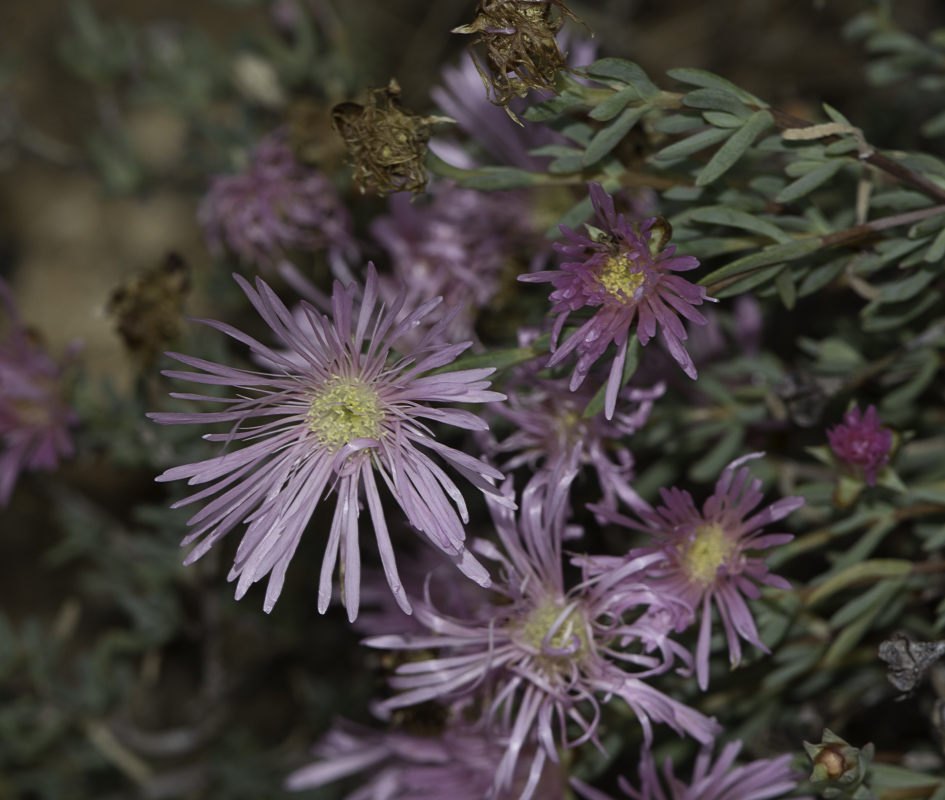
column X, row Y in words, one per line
column 387, row 142
column 148, row 309
column 521, row 50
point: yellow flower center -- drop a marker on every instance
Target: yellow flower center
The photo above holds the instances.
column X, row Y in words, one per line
column 708, row 550
column 621, row 277
column 342, row 410
column 539, row 632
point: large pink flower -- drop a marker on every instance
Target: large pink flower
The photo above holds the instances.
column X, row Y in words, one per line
column 626, row 282
column 340, row 413
column 711, row 555
column 548, row 658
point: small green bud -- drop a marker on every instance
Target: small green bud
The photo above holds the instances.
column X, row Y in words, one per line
column 838, row 763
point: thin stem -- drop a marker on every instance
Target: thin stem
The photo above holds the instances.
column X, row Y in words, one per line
column 845, row 236
column 878, row 160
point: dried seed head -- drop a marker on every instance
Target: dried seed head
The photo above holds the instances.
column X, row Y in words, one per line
column 521, row 50
column 148, row 309
column 387, row 142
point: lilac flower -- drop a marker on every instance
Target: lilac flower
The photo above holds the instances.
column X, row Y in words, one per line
column 707, row 555
column 34, row 418
column 460, row 245
column 861, row 442
column 275, row 204
column 457, row 765
column 759, row 780
column 550, row 427
column 339, row 419
column 549, row 657
column 626, row 281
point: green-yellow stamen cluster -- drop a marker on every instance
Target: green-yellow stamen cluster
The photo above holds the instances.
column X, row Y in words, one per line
column 342, row 410
column 709, row 549
column 539, row 622
column 620, row 273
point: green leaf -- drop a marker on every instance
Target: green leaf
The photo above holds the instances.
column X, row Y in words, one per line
column 879, row 598
column 807, row 183
column 786, row 289
column 905, row 289
column 836, row 116
column 772, row 254
column 499, row 178
column 625, row 72
column 708, row 80
column 596, row 405
column 607, row 138
column 936, row 251
column 866, row 571
column 614, row 104
column 566, row 165
column 905, row 395
column 723, row 215
column 555, row 151
column 717, row 100
column 678, row 123
column 553, row 107
column 735, row 147
column 710, row 465
column 693, row 144
column 722, row 119
column 500, row 359
column 821, row 276
column 749, row 282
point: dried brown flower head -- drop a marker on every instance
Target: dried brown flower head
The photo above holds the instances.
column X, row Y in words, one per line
column 387, row 142
column 148, row 308
column 522, row 52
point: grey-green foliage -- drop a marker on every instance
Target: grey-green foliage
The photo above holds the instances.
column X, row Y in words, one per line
column 901, row 58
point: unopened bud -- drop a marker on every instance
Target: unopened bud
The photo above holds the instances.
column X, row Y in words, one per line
column 837, row 761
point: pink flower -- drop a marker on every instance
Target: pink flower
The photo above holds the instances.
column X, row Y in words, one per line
column 861, row 442
column 34, row 418
column 548, row 658
column 338, row 419
column 758, row 780
column 394, row 765
column 275, row 204
column 708, row 555
column 626, row 282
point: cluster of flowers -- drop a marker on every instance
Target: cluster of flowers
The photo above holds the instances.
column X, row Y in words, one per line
column 518, row 674
column 529, row 668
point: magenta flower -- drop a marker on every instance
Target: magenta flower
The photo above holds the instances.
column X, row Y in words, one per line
column 708, row 555
column 275, row 204
column 548, row 658
column 335, row 422
column 458, row 765
column 34, row 418
column 861, row 442
column 763, row 779
column 627, row 282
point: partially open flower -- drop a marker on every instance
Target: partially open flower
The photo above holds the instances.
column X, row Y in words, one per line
column 387, row 142
column 34, row 419
column 521, row 50
column 862, row 443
